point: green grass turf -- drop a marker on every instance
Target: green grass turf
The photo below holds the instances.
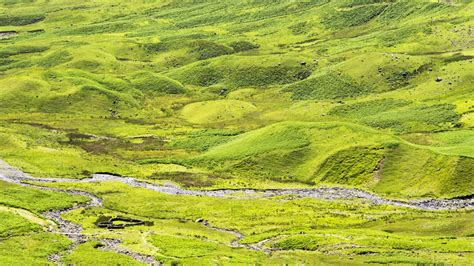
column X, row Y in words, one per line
column 317, row 225
column 226, row 94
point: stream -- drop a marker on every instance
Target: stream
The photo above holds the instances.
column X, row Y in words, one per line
column 74, row 231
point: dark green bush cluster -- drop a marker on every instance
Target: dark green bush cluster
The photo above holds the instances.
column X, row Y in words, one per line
column 240, row 46
column 402, row 9
column 327, row 86
column 419, row 118
column 207, row 74
column 354, row 17
column 364, row 109
column 208, row 49
column 20, row 20
column 6, row 61
column 266, row 75
column 220, row 13
column 299, row 28
column 16, row 50
column 457, row 57
column 354, row 3
column 399, row 10
column 201, row 75
column 111, row 27
column 151, row 48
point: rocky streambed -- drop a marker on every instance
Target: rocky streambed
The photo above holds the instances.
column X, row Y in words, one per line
column 74, row 231
column 71, row 230
column 320, row 193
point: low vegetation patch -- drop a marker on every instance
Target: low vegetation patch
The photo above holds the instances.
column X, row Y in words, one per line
column 327, row 86
column 216, row 111
column 208, row 49
column 6, row 20
column 240, row 46
column 156, row 84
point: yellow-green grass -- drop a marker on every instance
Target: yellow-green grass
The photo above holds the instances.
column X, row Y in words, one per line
column 32, row 249
column 88, row 253
column 27, row 215
column 334, row 92
column 216, row 111
column 36, row 200
column 317, row 225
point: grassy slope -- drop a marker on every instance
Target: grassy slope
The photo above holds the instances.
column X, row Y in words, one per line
column 23, row 240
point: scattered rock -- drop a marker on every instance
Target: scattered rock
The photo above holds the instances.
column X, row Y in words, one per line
column 7, row 34
column 439, row 79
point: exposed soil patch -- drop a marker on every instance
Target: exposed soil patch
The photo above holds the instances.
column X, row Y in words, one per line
column 109, row 146
column 7, row 34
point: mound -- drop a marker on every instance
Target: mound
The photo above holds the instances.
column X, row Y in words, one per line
column 208, row 49
column 288, row 150
column 156, row 84
column 236, row 72
column 21, row 20
column 400, row 115
column 20, row 94
column 327, row 86
column 240, row 46
column 420, row 172
column 385, row 71
column 21, row 49
column 352, row 166
column 216, row 111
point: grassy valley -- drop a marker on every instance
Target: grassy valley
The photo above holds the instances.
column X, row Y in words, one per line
column 366, row 95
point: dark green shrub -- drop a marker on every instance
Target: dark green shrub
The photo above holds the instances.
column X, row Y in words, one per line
column 353, row 17
column 155, row 47
column 299, row 28
column 327, row 86
column 209, row 49
column 267, row 75
column 240, row 46
column 110, row 27
column 16, row 50
column 20, row 20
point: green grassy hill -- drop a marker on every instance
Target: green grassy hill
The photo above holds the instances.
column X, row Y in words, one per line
column 170, row 69
column 372, row 94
